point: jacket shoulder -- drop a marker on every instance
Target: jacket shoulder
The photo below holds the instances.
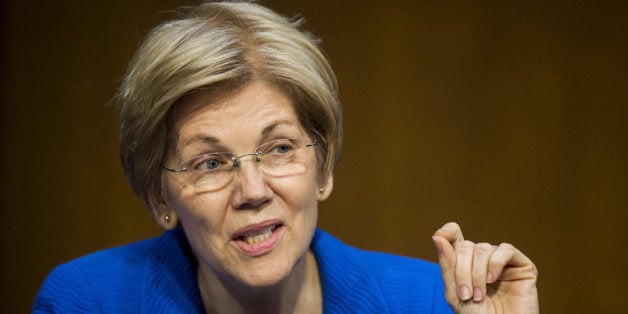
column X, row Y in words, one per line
column 402, row 284
column 99, row 281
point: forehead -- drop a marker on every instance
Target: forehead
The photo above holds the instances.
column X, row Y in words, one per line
column 227, row 115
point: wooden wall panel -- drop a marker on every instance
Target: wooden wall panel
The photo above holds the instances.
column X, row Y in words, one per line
column 510, row 118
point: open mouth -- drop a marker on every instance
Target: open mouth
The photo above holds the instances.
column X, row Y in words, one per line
column 258, row 239
column 255, row 237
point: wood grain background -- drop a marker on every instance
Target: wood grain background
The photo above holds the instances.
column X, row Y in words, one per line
column 510, row 118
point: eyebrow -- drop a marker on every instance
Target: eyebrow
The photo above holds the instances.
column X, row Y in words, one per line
column 270, row 127
column 213, row 140
column 199, row 138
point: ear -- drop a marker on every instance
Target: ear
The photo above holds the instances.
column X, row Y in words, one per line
column 325, row 189
column 163, row 214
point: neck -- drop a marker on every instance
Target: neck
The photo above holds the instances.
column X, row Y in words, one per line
column 300, row 292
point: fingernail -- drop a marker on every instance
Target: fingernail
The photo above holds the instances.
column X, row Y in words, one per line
column 477, row 294
column 437, row 245
column 465, row 294
column 489, row 277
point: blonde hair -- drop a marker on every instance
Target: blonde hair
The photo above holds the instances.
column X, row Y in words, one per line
column 221, row 45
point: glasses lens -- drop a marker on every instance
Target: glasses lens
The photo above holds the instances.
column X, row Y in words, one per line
column 278, row 158
column 284, row 157
column 210, row 171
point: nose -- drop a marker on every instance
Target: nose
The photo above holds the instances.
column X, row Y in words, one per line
column 251, row 189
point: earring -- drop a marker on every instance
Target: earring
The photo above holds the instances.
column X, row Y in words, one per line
column 321, row 191
column 167, row 218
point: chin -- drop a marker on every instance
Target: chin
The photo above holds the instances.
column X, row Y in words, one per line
column 275, row 267
column 267, row 274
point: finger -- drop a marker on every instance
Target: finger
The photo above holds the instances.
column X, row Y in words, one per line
column 463, row 273
column 507, row 255
column 451, row 232
column 481, row 255
column 447, row 262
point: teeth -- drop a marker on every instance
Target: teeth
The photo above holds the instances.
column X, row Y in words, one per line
column 257, row 236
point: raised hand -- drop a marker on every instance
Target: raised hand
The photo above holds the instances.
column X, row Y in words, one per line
column 484, row 278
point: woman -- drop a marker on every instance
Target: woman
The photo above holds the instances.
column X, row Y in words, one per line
column 230, row 132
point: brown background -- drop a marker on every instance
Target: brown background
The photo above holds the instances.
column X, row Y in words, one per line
column 510, row 118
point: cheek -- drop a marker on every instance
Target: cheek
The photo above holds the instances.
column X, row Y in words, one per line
column 298, row 193
column 203, row 219
column 198, row 210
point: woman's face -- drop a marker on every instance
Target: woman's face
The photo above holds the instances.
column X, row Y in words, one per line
column 256, row 228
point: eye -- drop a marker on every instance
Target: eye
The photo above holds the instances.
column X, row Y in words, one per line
column 280, row 147
column 209, row 162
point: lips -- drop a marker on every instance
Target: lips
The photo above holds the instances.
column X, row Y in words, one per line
column 258, row 239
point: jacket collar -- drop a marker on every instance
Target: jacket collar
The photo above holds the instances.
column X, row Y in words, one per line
column 170, row 283
column 348, row 287
column 170, row 279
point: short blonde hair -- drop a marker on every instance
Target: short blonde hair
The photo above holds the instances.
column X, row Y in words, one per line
column 221, row 45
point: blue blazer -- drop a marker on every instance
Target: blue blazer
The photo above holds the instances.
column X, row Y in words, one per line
column 158, row 275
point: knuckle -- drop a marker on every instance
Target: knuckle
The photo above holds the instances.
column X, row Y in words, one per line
column 479, row 277
column 452, row 224
column 484, row 246
column 446, row 267
column 463, row 275
column 468, row 243
column 479, row 270
column 534, row 270
column 464, row 246
column 482, row 251
column 450, row 227
column 507, row 246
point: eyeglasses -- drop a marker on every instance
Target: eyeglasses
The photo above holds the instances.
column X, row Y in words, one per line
column 277, row 158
